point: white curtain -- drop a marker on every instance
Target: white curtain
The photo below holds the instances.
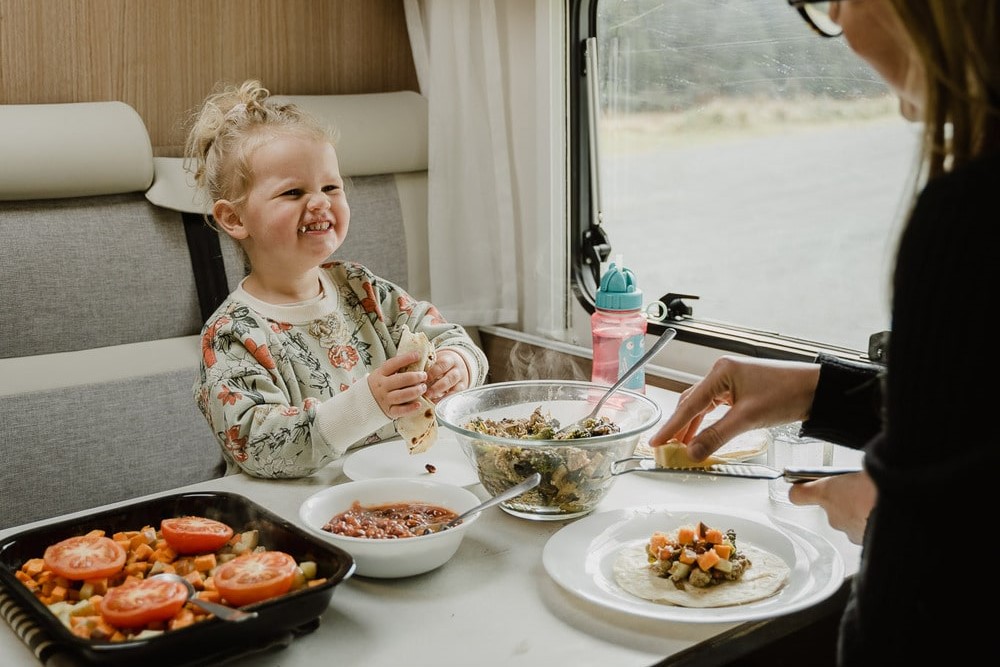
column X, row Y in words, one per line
column 471, row 231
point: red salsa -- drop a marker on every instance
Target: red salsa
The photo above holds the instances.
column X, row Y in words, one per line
column 387, row 522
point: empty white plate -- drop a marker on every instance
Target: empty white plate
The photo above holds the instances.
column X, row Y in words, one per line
column 392, row 459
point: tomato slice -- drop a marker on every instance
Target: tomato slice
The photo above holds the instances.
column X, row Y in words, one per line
column 195, row 534
column 138, row 603
column 85, row 557
column 255, row 576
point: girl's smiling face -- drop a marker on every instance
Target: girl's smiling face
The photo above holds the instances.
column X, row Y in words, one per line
column 295, row 212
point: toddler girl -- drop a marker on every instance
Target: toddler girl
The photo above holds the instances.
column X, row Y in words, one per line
column 300, row 361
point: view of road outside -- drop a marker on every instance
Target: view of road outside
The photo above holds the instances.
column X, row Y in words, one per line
column 759, row 167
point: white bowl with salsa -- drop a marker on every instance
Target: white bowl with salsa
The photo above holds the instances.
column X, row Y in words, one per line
column 378, row 522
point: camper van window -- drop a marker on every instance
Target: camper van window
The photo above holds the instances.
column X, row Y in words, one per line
column 738, row 157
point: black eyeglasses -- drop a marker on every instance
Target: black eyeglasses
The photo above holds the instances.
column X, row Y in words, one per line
column 817, row 14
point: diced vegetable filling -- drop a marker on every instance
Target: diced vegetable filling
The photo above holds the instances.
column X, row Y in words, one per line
column 697, row 555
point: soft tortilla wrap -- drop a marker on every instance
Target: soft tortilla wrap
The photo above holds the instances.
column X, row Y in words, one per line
column 419, row 429
column 765, row 577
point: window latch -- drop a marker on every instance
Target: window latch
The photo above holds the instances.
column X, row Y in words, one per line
column 878, row 347
column 676, row 308
column 596, row 250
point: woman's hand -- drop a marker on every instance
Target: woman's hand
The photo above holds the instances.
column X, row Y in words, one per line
column 448, row 374
column 761, row 392
column 846, row 499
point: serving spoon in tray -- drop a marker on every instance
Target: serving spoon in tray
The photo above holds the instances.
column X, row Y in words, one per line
column 220, row 610
column 664, row 338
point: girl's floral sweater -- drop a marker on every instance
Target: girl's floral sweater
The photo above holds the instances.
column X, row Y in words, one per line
column 284, row 387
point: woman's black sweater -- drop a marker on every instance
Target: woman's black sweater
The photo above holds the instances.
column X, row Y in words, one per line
column 926, row 570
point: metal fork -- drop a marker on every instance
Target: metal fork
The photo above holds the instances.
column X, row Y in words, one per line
column 793, row 475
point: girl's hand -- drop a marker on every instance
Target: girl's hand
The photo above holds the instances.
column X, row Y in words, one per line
column 397, row 393
column 448, row 374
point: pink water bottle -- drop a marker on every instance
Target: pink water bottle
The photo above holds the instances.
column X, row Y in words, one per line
column 619, row 328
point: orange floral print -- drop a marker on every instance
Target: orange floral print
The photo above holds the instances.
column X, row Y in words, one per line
column 208, row 341
column 343, row 356
column 370, row 303
column 405, row 304
column 228, row 396
column 235, row 444
column 278, row 327
column 261, row 354
column 435, row 315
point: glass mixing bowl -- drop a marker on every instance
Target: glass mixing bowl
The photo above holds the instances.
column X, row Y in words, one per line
column 576, row 474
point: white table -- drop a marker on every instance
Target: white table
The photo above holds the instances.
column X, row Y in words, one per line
column 494, row 603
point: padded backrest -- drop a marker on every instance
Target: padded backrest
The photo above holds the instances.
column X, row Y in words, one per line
column 99, row 318
column 86, row 260
column 92, row 271
column 53, row 151
column 65, row 449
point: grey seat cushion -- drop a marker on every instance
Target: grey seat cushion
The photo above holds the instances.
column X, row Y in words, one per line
column 71, row 449
column 92, row 272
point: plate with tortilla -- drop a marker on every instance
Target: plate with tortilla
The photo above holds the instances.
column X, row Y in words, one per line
column 593, row 557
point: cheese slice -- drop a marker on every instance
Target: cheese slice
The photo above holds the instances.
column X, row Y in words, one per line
column 419, row 430
column 673, row 454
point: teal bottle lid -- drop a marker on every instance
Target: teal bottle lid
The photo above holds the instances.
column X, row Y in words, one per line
column 618, row 290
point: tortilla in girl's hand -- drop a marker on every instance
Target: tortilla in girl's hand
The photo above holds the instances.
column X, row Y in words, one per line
column 419, row 429
column 676, row 568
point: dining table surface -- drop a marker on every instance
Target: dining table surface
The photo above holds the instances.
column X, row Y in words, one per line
column 496, row 602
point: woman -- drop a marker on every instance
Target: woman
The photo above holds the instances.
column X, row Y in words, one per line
column 917, row 507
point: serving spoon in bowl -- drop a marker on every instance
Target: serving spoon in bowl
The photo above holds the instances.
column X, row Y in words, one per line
column 220, row 610
column 664, row 338
column 529, row 483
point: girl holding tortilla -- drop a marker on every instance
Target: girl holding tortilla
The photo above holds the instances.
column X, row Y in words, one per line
column 925, row 451
column 306, row 358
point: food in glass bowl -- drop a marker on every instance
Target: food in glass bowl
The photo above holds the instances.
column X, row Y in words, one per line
column 508, row 432
column 542, row 427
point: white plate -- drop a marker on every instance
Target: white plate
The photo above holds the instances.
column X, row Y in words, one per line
column 392, row 459
column 580, row 558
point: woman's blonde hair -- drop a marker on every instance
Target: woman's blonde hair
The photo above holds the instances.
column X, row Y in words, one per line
column 958, row 42
column 230, row 125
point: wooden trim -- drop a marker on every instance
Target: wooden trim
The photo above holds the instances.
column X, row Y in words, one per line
column 164, row 57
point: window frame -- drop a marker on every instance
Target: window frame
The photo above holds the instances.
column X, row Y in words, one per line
column 585, row 233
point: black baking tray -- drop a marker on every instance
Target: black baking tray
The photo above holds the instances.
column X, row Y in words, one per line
column 294, row 613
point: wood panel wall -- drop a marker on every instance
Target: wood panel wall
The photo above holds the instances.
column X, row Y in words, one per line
column 164, row 56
